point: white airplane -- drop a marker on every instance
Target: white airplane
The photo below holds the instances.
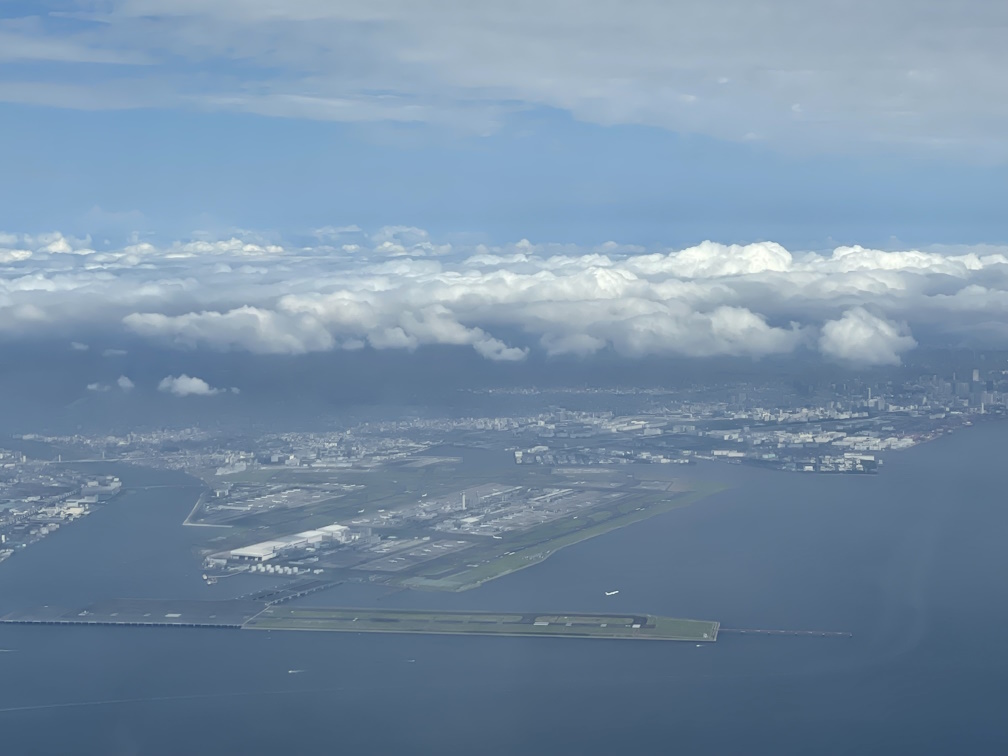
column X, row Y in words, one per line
column 611, row 593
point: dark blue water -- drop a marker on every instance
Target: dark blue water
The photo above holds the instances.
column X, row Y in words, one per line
column 912, row 561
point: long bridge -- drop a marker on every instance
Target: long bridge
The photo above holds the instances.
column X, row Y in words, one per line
column 763, row 631
column 289, row 592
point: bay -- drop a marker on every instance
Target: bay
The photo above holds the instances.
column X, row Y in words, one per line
column 911, row 562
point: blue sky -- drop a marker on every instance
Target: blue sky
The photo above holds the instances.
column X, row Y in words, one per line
column 293, row 176
column 543, row 175
column 652, row 123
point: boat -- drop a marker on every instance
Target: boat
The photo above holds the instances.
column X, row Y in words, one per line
column 611, row 593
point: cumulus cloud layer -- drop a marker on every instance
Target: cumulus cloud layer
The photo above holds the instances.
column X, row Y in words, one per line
column 398, row 289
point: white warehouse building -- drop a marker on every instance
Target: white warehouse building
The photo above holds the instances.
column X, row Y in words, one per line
column 266, row 550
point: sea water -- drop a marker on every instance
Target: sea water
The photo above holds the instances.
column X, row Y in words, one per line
column 911, row 562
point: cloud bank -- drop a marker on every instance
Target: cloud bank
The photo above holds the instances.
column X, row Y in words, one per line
column 398, row 289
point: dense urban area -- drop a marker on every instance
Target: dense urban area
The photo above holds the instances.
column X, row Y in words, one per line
column 37, row 498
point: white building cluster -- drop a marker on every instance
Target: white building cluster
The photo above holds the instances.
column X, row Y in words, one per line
column 267, row 550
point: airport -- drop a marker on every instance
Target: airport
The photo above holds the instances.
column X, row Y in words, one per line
column 429, row 526
column 279, row 616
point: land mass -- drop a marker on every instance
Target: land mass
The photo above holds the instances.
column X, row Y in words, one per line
column 632, row 626
column 252, row 615
column 425, row 523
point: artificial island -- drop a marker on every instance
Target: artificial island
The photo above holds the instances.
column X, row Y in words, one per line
column 263, row 616
column 425, row 522
column 447, row 503
column 427, row 519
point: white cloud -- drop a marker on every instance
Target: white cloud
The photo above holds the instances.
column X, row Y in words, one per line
column 78, row 346
column 232, row 247
column 125, row 383
column 504, row 301
column 707, row 260
column 13, row 255
column 863, row 338
column 184, row 385
column 249, row 328
column 98, row 387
